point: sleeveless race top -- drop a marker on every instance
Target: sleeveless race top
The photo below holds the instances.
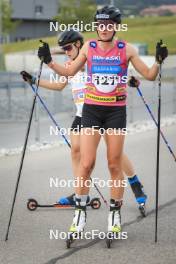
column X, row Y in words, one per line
column 107, row 75
column 78, row 90
column 77, row 83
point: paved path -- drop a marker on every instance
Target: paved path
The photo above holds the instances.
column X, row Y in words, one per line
column 29, row 241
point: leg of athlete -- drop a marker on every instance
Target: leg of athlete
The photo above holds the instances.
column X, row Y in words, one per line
column 75, row 151
column 114, row 155
column 134, row 181
column 88, row 146
column 89, row 142
column 127, row 166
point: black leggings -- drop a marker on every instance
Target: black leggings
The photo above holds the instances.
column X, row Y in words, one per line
column 101, row 116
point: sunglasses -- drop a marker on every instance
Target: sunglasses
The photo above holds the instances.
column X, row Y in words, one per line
column 68, row 47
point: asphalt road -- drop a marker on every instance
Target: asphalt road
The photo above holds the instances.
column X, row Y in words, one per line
column 29, row 241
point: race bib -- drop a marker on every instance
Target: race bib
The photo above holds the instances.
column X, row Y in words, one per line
column 78, row 96
column 105, row 77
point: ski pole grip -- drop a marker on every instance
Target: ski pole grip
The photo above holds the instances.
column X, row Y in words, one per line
column 42, row 42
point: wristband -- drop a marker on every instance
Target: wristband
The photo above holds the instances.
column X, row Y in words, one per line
column 33, row 80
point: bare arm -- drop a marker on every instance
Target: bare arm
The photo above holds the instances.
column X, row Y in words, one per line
column 53, row 85
column 148, row 73
column 76, row 65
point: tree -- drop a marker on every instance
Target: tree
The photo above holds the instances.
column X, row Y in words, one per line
column 71, row 11
column 7, row 24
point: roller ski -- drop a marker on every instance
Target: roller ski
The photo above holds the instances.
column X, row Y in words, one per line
column 63, row 203
column 72, row 236
column 77, row 226
column 140, row 196
column 114, row 223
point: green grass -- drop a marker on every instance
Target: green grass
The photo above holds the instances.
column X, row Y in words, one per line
column 141, row 30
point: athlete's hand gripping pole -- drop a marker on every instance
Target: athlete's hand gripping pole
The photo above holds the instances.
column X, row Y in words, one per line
column 44, row 53
column 24, row 149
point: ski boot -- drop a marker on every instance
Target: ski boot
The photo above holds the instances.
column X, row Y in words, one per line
column 70, row 200
column 78, row 224
column 94, row 203
column 138, row 191
column 114, row 222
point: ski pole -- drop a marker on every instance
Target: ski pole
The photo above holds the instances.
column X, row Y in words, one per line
column 152, row 116
column 24, row 150
column 63, row 136
column 158, row 154
column 50, row 115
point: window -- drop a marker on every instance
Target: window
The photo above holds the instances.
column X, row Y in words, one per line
column 38, row 10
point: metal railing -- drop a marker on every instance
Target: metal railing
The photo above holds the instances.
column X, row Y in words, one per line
column 16, row 98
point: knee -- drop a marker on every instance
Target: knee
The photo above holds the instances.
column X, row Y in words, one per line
column 114, row 164
column 87, row 165
column 75, row 152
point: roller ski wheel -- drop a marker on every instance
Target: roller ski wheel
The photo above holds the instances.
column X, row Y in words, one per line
column 95, row 203
column 69, row 241
column 109, row 240
column 32, row 205
column 111, row 236
column 71, row 238
column 142, row 210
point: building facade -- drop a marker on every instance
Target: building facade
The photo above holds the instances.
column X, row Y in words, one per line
column 33, row 17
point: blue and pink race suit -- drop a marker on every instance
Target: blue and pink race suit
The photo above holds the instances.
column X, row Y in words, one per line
column 107, row 75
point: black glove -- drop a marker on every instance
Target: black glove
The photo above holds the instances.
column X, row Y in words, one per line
column 133, row 82
column 28, row 77
column 161, row 52
column 44, row 52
